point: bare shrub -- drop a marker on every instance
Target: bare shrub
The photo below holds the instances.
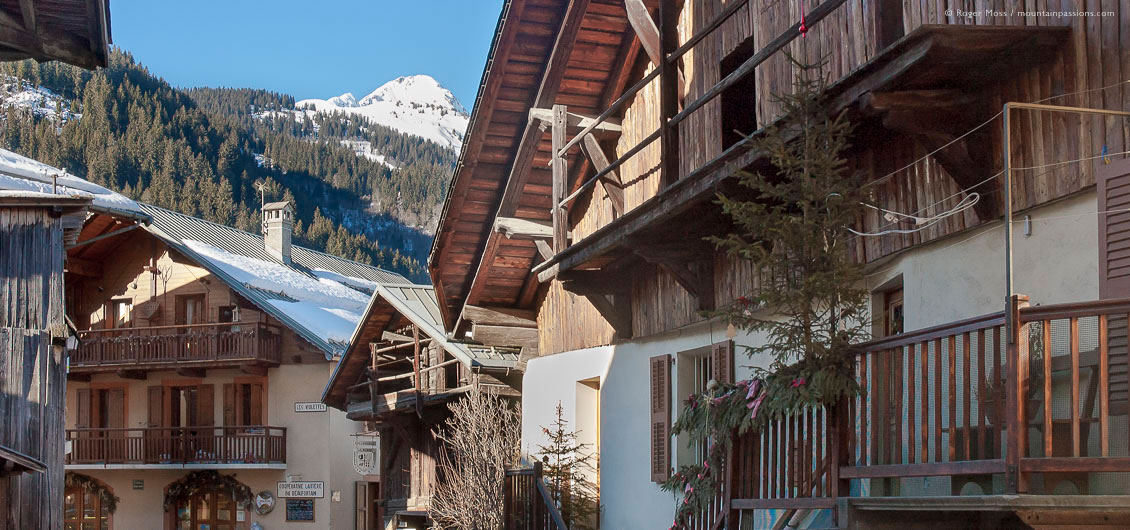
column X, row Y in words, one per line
column 480, row 440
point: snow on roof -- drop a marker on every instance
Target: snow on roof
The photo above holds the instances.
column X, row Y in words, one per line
column 328, row 308
column 20, row 173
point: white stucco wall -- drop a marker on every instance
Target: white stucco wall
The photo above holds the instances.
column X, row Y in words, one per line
column 963, row 276
column 959, row 277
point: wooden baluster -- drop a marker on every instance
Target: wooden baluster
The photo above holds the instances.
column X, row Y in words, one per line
column 1104, row 387
column 938, row 400
column 967, row 390
column 817, row 423
column 951, row 356
column 897, row 382
column 1048, row 421
column 982, row 416
column 911, row 443
column 924, row 453
column 998, row 384
column 1074, row 341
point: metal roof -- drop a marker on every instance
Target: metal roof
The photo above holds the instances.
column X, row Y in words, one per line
column 175, row 228
column 417, row 303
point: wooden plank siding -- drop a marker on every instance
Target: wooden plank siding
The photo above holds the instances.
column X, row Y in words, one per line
column 1088, row 59
column 660, row 304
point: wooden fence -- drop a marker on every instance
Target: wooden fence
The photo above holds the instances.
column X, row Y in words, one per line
column 161, row 345
column 958, row 400
column 526, row 503
column 249, row 444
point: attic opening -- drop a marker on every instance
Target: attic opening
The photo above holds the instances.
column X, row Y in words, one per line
column 738, row 103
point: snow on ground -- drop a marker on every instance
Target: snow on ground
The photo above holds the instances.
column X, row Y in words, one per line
column 416, row 105
column 364, row 148
column 326, row 306
column 21, row 173
column 40, row 101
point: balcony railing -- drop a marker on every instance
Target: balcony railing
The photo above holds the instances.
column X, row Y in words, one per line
column 252, row 444
column 152, row 347
column 959, row 400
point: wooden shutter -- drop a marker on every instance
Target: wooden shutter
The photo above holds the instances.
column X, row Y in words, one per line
column 205, row 405
column 82, row 421
column 722, row 362
column 1113, row 182
column 257, row 404
column 156, row 406
column 660, row 418
column 229, row 405
column 361, row 501
column 116, row 407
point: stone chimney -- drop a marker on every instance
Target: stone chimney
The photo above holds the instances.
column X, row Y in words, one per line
column 278, row 228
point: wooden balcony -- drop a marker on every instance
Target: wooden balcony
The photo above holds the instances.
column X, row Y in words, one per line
column 165, row 347
column 242, row 446
column 963, row 401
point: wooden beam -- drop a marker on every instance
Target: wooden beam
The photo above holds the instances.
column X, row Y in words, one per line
column 578, row 122
column 611, row 182
column 668, row 94
column 552, row 75
column 133, row 374
column 253, row 369
column 27, row 10
column 614, row 307
column 528, row 229
column 389, row 336
column 80, row 377
column 560, row 173
column 508, row 336
column 640, row 19
column 83, row 267
column 10, row 21
column 544, row 250
column 191, row 372
column 49, row 44
column 503, row 316
column 937, row 119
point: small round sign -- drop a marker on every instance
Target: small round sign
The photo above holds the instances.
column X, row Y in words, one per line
column 264, row 502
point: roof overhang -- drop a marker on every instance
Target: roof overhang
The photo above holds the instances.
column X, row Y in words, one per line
column 73, row 31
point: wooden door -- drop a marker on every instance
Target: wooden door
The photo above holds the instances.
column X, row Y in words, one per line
column 158, row 446
column 367, row 502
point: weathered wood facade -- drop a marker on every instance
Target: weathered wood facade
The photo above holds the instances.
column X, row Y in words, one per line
column 398, row 375
column 620, row 259
column 33, row 335
column 505, row 169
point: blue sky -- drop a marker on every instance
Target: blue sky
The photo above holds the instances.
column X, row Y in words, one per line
column 309, row 49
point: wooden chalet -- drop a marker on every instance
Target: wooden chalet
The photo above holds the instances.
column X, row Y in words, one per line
column 603, row 131
column 200, row 347
column 34, row 229
column 398, row 375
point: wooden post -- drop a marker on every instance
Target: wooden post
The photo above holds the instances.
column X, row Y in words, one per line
column 560, row 174
column 416, row 369
column 668, row 92
column 1016, row 372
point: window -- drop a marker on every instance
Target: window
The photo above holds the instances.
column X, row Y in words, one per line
column 892, row 312
column 82, row 510
column 694, row 373
column 209, row 510
column 190, row 309
column 245, row 402
column 738, row 103
column 119, row 313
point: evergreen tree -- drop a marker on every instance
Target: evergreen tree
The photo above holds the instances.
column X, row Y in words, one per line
column 568, row 464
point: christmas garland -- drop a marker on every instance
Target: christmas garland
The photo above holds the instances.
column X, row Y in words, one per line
column 203, row 481
column 715, row 416
column 91, row 485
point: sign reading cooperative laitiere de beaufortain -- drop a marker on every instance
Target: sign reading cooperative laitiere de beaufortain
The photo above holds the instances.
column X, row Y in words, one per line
column 301, row 490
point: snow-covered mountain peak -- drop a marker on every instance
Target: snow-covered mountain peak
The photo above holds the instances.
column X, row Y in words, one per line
column 421, row 89
column 416, row 105
column 344, row 100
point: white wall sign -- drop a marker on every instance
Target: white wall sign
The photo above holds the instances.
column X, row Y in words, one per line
column 365, row 461
column 309, row 406
column 301, row 490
